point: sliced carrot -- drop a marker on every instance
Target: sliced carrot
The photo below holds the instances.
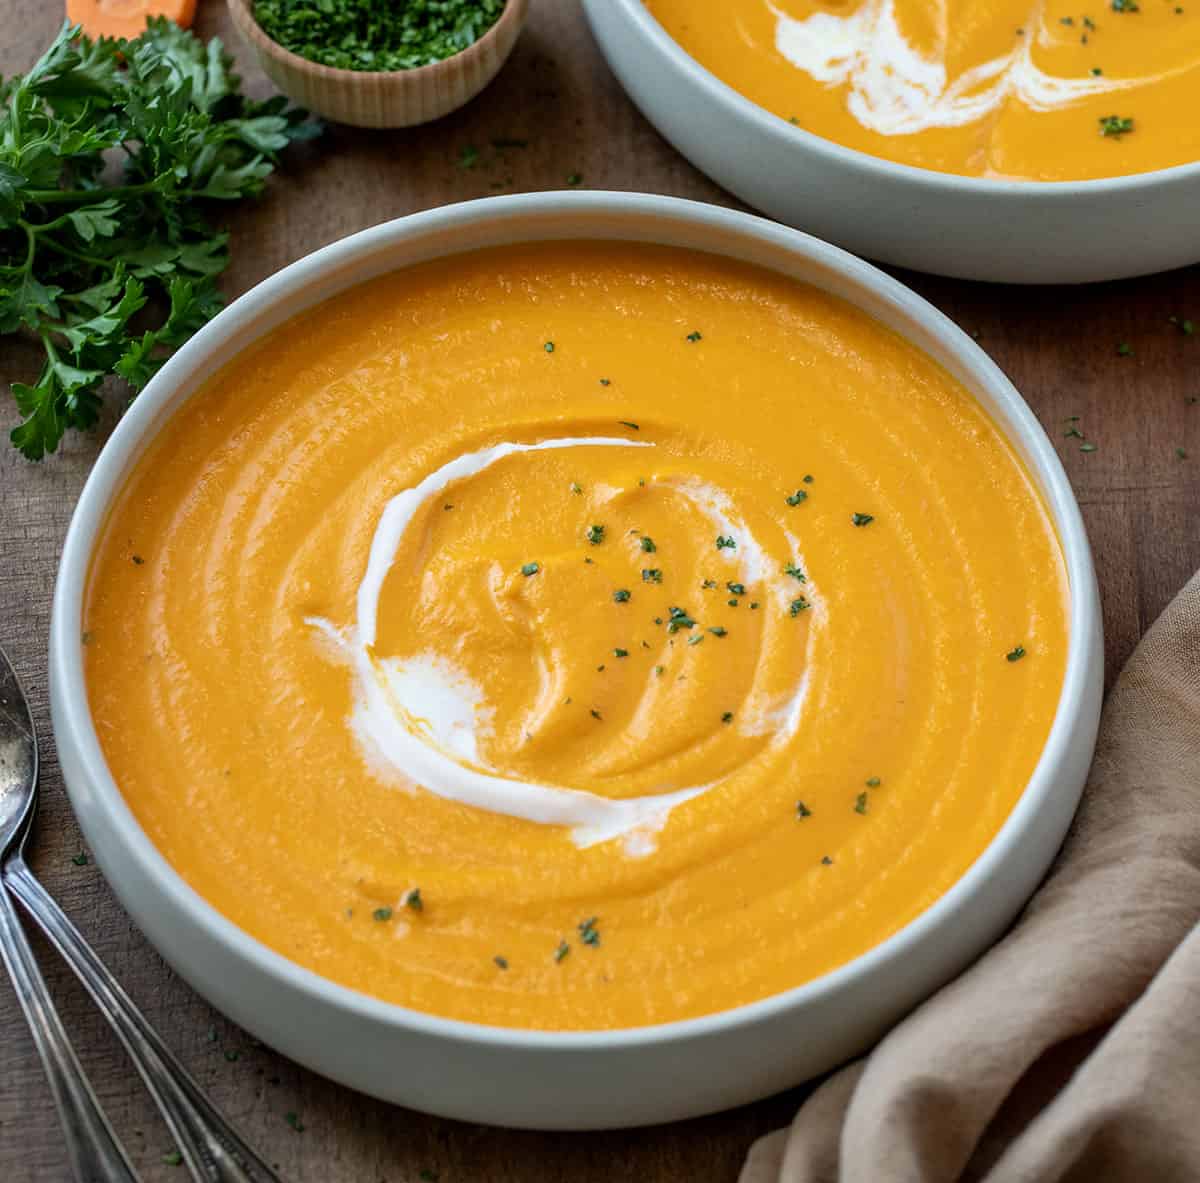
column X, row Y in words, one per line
column 126, row 18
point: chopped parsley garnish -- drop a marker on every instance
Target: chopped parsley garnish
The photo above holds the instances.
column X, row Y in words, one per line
column 807, row 478
column 293, row 1119
column 621, row 595
column 860, row 803
column 562, row 950
column 727, row 717
column 826, row 861
column 753, row 605
column 501, row 962
column 798, row 496
column 384, row 913
column 1124, row 349
column 694, row 336
column 1186, row 327
column 708, row 584
column 659, row 670
column 549, row 347
column 595, row 713
column 797, row 606
column 81, row 859
column 137, row 560
column 595, row 535
column 737, row 589
column 862, row 519
column 696, row 639
column 802, row 810
column 620, row 653
column 732, row 603
column 575, row 179
column 576, row 487
column 1096, row 71
column 1115, row 125
column 623, row 422
column 413, row 900
column 651, row 575
column 589, row 934
column 873, row 782
column 172, row 1158
column 1125, row 6
column 648, row 545
column 795, row 572
column 605, row 382
column 1087, row 447
column 725, row 543
column 679, row 619
column 530, row 569
column 717, row 631
column 1016, row 654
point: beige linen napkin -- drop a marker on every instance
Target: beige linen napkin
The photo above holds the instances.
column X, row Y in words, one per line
column 1070, row 1051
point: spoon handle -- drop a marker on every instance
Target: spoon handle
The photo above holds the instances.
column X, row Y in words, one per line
column 212, row 1150
column 96, row 1154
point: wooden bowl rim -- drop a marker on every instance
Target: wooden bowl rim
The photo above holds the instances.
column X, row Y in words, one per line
column 514, row 12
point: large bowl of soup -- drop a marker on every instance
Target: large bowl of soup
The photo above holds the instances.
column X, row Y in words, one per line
column 1005, row 141
column 575, row 660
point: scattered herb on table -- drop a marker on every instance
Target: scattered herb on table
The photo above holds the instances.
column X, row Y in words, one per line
column 293, row 1119
column 426, row 1175
column 468, row 157
column 232, row 1055
column 1087, row 447
column 1185, row 326
column 1181, row 454
column 367, row 35
column 81, row 859
column 80, row 256
column 575, row 179
column 172, row 1158
column 1124, row 349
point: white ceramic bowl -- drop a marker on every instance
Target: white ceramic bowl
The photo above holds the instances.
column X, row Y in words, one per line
column 572, row 1079
column 970, row 227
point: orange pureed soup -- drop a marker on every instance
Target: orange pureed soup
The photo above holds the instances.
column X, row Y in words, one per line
column 1044, row 90
column 576, row 635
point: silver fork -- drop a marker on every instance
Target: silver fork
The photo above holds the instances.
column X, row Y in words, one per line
column 209, row 1146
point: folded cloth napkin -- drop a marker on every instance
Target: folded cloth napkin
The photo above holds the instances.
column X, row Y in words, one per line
column 1071, row 1050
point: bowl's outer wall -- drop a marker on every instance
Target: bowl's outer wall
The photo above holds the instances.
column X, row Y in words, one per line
column 570, row 1080
column 1003, row 232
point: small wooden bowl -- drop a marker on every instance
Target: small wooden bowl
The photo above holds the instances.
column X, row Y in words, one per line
column 384, row 98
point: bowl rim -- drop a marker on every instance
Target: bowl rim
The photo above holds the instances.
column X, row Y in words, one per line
column 74, row 728
column 786, row 134
column 514, row 11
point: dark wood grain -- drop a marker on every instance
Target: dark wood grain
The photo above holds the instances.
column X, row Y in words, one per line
column 1141, row 500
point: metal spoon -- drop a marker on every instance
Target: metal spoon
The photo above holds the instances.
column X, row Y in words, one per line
column 211, row 1149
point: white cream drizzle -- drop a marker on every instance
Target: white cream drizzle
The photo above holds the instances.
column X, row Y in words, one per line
column 895, row 90
column 420, row 716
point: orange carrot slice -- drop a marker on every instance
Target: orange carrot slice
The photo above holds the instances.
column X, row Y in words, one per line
column 126, row 18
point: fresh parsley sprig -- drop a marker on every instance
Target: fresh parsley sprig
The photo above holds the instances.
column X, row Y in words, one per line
column 111, row 153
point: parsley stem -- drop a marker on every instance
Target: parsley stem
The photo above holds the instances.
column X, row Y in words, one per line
column 53, row 196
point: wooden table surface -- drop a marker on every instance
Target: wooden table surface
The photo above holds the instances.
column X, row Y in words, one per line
column 1140, row 492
